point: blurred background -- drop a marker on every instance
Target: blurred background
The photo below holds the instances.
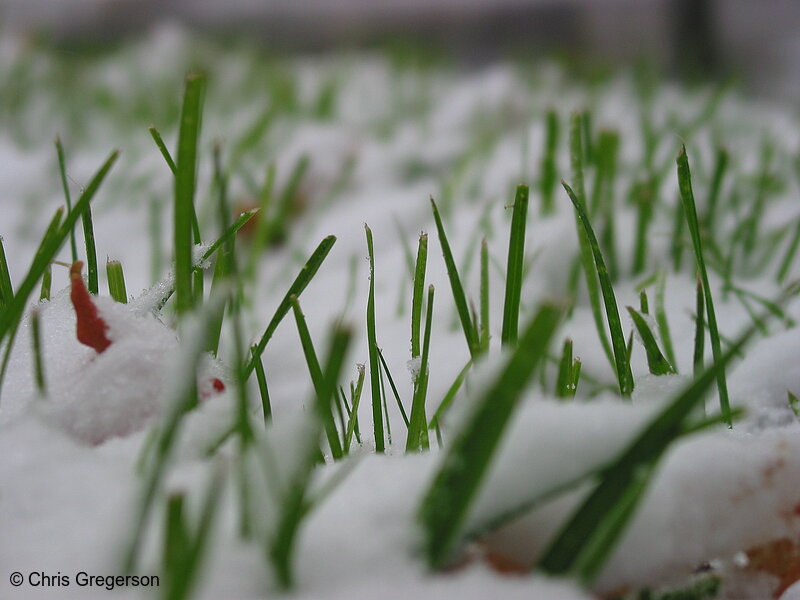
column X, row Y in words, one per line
column 755, row 41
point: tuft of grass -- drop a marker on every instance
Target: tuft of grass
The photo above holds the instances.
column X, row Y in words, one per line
column 462, row 307
column 586, row 541
column 185, row 170
column 621, row 362
column 372, row 347
column 656, row 361
column 116, row 281
column 447, row 501
column 73, row 247
column 418, row 426
column 690, row 211
column 516, row 260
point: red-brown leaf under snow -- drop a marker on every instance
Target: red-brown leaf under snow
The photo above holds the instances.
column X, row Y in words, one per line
column 91, row 328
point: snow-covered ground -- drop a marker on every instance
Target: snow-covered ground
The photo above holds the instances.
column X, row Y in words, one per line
column 71, row 466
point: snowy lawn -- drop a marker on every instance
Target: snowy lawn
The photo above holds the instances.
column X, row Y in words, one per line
column 500, row 387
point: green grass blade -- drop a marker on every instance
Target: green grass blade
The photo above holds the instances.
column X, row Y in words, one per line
column 261, row 377
column 449, row 396
column 418, row 424
column 462, row 307
column 484, row 336
column 372, row 347
column 186, row 167
column 92, row 283
column 416, row 300
column 38, row 361
column 699, row 330
column 644, row 197
column 392, row 385
column 587, row 540
column 656, row 362
column 720, row 166
column 661, row 320
column 791, row 252
column 73, row 247
column 286, row 203
column 549, row 176
column 676, row 244
column 47, row 281
column 51, row 243
column 516, row 260
column 352, row 423
column 261, row 235
column 323, row 403
column 300, row 283
column 116, row 281
column 794, row 403
column 446, row 503
column 6, row 289
column 622, row 365
column 162, row 147
column 687, row 200
column 565, row 365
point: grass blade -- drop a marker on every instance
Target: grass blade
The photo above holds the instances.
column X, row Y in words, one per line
column 586, row 541
column 484, row 336
column 6, row 289
column 47, row 280
column 323, row 404
column 699, row 330
column 462, row 307
column 449, row 396
column 300, row 283
column 516, row 260
column 416, row 301
column 549, row 177
column 622, row 365
column 92, row 283
column 392, row 385
column 446, row 503
column 261, row 377
column 720, row 165
column 690, row 211
column 73, row 247
column 372, row 346
column 565, row 367
column 418, row 426
column 656, row 362
column 116, row 281
column 186, row 167
column 791, row 251
column 162, row 147
column 661, row 320
column 352, row 423
column 38, row 361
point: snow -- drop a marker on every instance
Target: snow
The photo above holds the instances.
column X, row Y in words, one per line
column 69, row 481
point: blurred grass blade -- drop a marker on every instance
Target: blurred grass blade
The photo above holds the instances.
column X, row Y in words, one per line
column 791, row 252
column 549, row 176
column 656, row 362
column 372, row 348
column 661, row 319
column 162, row 147
column 586, row 541
column 116, row 281
column 62, row 168
column 484, row 336
column 447, row 501
column 352, row 423
column 720, row 165
column 699, row 330
column 516, row 259
column 392, row 385
column 565, row 372
column 185, row 173
column 690, row 212
column 449, row 396
column 418, row 425
column 302, row 280
column 622, row 365
column 794, row 403
column 462, row 307
column 6, row 289
column 38, row 360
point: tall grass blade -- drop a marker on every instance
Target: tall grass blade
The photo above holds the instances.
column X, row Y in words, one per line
column 416, row 300
column 462, row 307
column 516, row 260
column 484, row 336
column 699, row 329
column 392, row 385
column 418, row 424
column 687, row 200
column 92, row 283
column 73, row 247
column 372, row 347
column 622, row 365
column 791, row 252
column 300, row 283
column 446, row 503
column 186, row 167
column 162, row 147
column 549, row 176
